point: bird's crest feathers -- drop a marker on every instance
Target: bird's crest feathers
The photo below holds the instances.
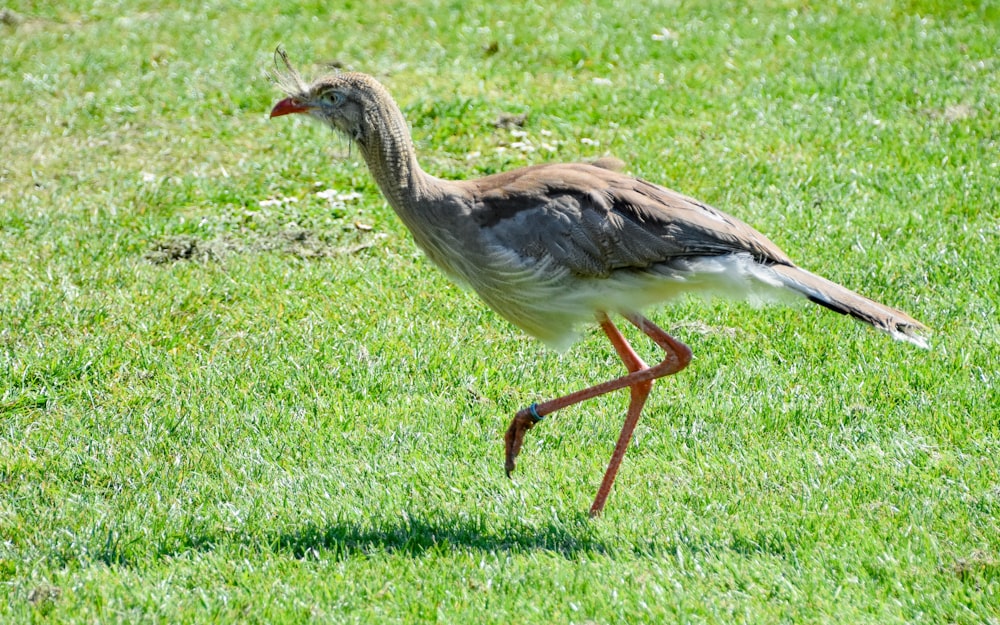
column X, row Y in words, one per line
column 287, row 78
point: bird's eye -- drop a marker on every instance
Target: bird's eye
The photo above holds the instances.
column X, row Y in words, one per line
column 334, row 98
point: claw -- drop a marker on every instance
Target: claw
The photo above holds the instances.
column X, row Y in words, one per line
column 521, row 423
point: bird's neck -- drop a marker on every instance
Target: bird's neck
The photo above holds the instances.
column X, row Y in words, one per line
column 392, row 161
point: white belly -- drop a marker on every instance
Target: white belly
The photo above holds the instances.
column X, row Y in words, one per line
column 551, row 304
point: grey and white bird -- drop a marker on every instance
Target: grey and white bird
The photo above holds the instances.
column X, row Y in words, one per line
column 552, row 247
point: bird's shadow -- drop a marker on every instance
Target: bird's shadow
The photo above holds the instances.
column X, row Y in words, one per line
column 410, row 535
column 418, row 535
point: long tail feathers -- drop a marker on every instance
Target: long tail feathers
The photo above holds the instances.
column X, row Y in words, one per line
column 896, row 323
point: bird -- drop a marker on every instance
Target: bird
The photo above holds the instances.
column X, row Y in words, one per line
column 553, row 247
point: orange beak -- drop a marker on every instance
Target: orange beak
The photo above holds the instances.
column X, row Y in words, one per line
column 287, row 107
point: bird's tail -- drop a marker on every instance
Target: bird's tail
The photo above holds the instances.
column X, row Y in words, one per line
column 896, row 323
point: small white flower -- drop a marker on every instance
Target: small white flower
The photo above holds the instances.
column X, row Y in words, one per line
column 665, row 34
column 277, row 201
column 334, row 195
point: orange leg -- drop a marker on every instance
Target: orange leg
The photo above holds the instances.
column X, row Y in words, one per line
column 637, row 399
column 639, row 380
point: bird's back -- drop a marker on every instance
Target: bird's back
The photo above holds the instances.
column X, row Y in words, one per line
column 595, row 220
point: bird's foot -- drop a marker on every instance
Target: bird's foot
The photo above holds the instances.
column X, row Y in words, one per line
column 523, row 421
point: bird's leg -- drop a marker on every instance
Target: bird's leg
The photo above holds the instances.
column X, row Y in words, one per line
column 637, row 399
column 678, row 355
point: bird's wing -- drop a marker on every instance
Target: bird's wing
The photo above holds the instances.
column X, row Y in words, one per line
column 594, row 221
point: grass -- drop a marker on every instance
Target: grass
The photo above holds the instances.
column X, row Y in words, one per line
column 226, row 397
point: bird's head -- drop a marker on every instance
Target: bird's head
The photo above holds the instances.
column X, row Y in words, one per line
column 347, row 102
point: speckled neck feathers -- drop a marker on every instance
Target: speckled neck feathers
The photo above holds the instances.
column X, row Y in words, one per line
column 385, row 143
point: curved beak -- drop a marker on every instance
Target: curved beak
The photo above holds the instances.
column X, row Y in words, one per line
column 287, row 107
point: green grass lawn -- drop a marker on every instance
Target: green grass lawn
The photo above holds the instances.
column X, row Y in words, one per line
column 232, row 389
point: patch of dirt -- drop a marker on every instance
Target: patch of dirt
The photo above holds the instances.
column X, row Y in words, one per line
column 186, row 247
column 322, row 223
column 43, row 594
column 9, row 17
column 958, row 112
column 26, row 23
column 979, row 564
column 305, row 244
column 299, row 242
column 510, row 120
column 952, row 113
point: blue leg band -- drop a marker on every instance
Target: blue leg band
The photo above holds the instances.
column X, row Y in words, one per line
column 533, row 411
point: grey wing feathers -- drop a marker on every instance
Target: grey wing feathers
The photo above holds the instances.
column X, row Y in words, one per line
column 594, row 221
column 700, row 228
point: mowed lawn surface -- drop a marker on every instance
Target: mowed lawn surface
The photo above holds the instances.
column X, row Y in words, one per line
column 233, row 390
